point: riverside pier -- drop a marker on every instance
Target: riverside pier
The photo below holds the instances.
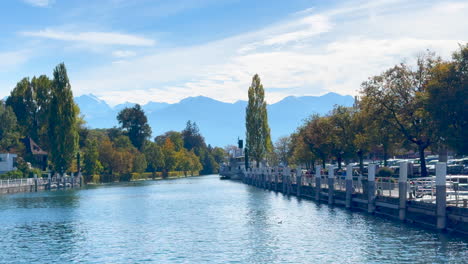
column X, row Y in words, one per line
column 378, row 196
column 41, row 183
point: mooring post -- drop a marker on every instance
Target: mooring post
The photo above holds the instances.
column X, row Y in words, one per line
column 441, row 195
column 402, row 189
column 272, row 178
column 283, row 179
column 264, row 178
column 80, row 179
column 298, row 182
column 257, row 177
column 35, row 182
column 331, row 183
column 371, row 188
column 318, row 178
column 288, row 180
column 349, row 185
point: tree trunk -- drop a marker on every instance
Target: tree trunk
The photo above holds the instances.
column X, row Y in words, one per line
column 423, row 161
column 385, row 155
column 443, row 154
column 339, row 161
column 323, row 163
column 361, row 162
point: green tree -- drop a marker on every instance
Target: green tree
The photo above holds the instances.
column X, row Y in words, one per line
column 30, row 101
column 154, row 157
column 195, row 165
column 192, row 138
column 300, row 151
column 381, row 133
column 258, row 140
column 9, row 131
column 176, row 138
column 63, row 116
column 91, row 162
column 282, row 148
column 134, row 121
column 400, row 92
column 447, row 101
column 316, row 135
column 219, row 155
column 139, row 163
column 169, row 154
column 21, row 100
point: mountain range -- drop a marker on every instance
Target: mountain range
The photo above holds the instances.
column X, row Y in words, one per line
column 219, row 122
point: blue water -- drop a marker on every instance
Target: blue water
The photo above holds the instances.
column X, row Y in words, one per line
column 205, row 220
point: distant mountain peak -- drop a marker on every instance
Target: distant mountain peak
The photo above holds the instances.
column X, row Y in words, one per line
column 220, row 123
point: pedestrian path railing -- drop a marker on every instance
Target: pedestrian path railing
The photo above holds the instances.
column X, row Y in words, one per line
column 16, row 182
column 386, row 186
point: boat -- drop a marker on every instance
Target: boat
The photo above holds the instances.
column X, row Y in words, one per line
column 234, row 169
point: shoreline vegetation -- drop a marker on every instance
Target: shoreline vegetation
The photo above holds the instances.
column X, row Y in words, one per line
column 146, row 176
column 410, row 110
column 42, row 111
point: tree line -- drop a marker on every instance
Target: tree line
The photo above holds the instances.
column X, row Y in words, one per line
column 44, row 110
column 408, row 107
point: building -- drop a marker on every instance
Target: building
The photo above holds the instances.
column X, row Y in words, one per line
column 7, row 162
column 34, row 154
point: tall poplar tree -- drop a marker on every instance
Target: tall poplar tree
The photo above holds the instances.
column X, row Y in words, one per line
column 258, row 140
column 63, row 116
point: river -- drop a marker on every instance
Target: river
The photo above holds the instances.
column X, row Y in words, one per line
column 205, row 220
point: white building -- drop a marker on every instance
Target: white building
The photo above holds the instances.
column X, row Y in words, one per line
column 7, row 162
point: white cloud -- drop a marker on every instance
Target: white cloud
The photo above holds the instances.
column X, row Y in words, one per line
column 40, row 3
column 309, row 54
column 101, row 38
column 123, row 53
column 11, row 59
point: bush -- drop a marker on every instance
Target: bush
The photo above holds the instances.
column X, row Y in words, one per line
column 385, row 172
column 14, row 174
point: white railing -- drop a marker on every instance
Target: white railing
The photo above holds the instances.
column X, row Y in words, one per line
column 386, row 186
column 16, row 182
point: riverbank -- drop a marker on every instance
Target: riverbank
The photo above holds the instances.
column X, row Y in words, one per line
column 41, row 184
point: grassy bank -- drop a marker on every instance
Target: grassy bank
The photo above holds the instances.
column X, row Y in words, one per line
column 146, row 176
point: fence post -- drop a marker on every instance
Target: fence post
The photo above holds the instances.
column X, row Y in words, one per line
column 298, row 182
column 371, row 188
column 441, row 198
column 318, row 178
column 402, row 188
column 35, row 182
column 331, row 183
column 349, row 185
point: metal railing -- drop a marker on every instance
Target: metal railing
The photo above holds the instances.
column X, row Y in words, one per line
column 16, row 182
column 386, row 186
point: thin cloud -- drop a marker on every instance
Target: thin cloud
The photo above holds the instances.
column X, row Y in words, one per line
column 101, row 38
column 308, row 54
column 123, row 53
column 40, row 3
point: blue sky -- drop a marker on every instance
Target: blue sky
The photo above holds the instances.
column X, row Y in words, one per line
column 142, row 50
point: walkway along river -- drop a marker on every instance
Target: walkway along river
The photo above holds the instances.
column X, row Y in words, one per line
column 363, row 195
column 205, row 220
